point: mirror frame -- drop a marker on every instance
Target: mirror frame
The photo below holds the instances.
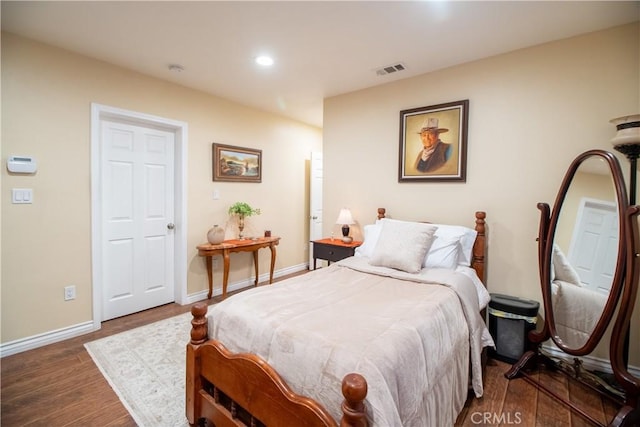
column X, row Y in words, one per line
column 630, row 383
column 546, row 241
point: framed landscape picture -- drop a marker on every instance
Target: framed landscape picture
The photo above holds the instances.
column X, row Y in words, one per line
column 236, row 164
column 433, row 143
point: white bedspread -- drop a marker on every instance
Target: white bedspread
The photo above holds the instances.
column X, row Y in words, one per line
column 576, row 310
column 410, row 338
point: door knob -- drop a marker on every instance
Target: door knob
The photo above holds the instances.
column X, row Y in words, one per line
column 171, row 226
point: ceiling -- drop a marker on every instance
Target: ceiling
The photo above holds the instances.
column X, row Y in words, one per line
column 321, row 48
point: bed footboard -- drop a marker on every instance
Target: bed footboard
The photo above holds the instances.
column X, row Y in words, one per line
column 242, row 389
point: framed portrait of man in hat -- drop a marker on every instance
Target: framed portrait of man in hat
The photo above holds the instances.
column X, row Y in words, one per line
column 433, row 143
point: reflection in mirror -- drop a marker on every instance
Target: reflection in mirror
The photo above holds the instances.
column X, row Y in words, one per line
column 584, row 252
column 589, row 264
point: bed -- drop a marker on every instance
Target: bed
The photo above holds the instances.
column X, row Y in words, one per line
column 391, row 336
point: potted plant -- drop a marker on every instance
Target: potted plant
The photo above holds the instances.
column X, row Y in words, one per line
column 242, row 210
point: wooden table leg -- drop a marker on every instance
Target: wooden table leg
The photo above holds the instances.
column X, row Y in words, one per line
column 255, row 263
column 209, row 263
column 225, row 274
column 273, row 262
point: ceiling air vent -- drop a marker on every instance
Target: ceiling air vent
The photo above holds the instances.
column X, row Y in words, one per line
column 390, row 69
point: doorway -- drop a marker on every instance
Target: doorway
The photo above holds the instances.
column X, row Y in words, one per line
column 315, row 202
column 594, row 244
column 138, row 212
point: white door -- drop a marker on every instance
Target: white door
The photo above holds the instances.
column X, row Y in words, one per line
column 315, row 200
column 137, row 169
column 594, row 245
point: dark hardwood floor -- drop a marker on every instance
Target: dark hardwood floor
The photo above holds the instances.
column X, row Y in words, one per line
column 59, row 385
column 518, row 403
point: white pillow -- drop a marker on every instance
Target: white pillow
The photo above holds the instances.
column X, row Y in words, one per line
column 562, row 269
column 371, row 235
column 443, row 253
column 467, row 237
column 402, row 245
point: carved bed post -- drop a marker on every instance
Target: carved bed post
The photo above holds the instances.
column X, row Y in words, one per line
column 199, row 330
column 381, row 212
column 354, row 390
column 193, row 382
column 479, row 246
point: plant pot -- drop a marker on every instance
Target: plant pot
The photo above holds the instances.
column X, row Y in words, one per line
column 240, row 227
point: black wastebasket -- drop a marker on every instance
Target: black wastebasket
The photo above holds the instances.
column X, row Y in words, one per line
column 510, row 320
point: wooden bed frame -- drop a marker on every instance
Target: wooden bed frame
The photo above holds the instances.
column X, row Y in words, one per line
column 226, row 389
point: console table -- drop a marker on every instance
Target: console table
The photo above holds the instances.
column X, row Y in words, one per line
column 227, row 247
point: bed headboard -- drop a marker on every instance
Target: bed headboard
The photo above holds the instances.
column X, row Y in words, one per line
column 480, row 247
column 479, row 255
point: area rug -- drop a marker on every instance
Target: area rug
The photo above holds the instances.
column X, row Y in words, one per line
column 146, row 368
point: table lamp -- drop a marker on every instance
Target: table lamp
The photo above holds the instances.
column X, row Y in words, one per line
column 346, row 220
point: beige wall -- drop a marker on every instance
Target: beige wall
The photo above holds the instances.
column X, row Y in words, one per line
column 46, row 99
column 531, row 112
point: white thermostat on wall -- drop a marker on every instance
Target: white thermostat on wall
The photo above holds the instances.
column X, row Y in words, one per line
column 22, row 164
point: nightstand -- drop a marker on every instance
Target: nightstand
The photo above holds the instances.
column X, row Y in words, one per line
column 332, row 250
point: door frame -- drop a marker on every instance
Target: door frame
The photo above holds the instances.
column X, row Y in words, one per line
column 315, row 189
column 180, row 129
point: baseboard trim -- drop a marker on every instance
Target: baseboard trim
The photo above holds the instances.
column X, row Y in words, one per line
column 40, row 340
column 592, row 363
column 236, row 286
column 46, row 338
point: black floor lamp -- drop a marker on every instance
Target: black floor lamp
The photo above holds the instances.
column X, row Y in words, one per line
column 627, row 141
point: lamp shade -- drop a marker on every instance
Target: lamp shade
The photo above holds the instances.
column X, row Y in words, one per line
column 345, row 217
column 628, row 130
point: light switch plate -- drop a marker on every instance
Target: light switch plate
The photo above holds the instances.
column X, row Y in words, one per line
column 21, row 195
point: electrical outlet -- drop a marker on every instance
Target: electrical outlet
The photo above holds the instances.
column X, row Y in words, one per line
column 69, row 293
column 215, row 263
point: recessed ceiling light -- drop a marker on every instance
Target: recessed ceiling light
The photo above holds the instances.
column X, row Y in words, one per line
column 265, row 61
